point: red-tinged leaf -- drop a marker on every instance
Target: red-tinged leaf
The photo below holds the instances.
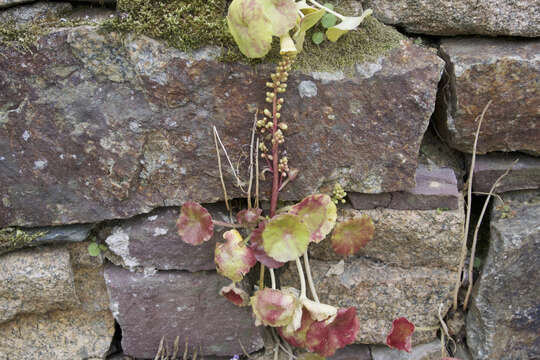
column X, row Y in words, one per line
column 352, row 235
column 194, row 224
column 273, row 307
column 248, row 216
column 256, row 245
column 401, row 334
column 285, row 237
column 235, row 295
column 319, row 213
column 233, row 259
column 325, row 339
column 297, row 338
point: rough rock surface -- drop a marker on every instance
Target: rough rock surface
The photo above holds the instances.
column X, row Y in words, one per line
column 429, row 351
column 84, row 331
column 8, row 3
column 460, row 17
column 99, row 128
column 151, row 241
column 382, row 293
column 406, row 238
column 504, row 316
column 503, row 71
column 35, row 281
column 435, row 188
column 352, row 352
column 38, row 11
column 178, row 303
column 524, row 175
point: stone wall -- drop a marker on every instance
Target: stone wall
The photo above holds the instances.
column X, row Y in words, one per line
column 103, row 136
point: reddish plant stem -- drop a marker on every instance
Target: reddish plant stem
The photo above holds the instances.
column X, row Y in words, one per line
column 275, row 160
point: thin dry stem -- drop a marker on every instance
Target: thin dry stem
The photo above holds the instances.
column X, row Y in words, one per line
column 310, row 278
column 244, row 349
column 468, row 216
column 477, row 229
column 253, row 128
column 261, row 278
column 223, row 187
column 226, row 224
column 444, row 332
column 239, row 182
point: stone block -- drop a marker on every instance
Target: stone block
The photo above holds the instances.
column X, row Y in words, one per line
column 178, row 303
column 503, row 71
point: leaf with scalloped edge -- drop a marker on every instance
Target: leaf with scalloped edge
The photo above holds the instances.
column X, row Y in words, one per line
column 282, row 14
column 348, row 23
column 248, row 216
column 273, row 307
column 319, row 311
column 250, row 27
column 235, row 295
column 319, row 213
column 256, row 244
column 233, row 259
column 352, row 235
column 297, row 337
column 325, row 339
column 194, row 224
column 285, row 237
column 401, row 334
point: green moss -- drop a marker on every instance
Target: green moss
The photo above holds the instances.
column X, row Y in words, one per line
column 189, row 25
column 13, row 239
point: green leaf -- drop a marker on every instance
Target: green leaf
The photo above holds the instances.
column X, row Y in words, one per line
column 250, row 27
column 328, row 20
column 329, row 6
column 307, row 22
column 347, row 24
column 282, row 15
column 319, row 213
column 317, row 37
column 102, row 247
column 285, row 237
column 352, row 235
column 93, row 249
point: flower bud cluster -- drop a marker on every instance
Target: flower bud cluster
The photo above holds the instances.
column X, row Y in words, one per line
column 283, row 166
column 338, row 194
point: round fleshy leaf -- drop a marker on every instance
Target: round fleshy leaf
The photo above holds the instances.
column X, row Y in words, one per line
column 235, row 295
column 282, row 14
column 248, row 216
column 319, row 213
column 401, row 334
column 233, row 259
column 250, row 27
column 94, row 249
column 328, row 20
column 352, row 235
column 273, row 307
column 317, row 37
column 285, row 237
column 256, row 244
column 194, row 224
column 325, row 339
column 297, row 337
column 319, row 311
column 347, row 24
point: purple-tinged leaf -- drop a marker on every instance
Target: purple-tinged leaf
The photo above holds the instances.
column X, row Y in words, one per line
column 319, row 213
column 256, row 245
column 401, row 334
column 233, row 258
column 273, row 307
column 297, row 337
column 194, row 224
column 285, row 237
column 325, row 339
column 352, row 235
column 235, row 295
column 248, row 216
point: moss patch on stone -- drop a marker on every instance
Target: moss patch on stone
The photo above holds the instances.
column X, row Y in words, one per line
column 13, row 239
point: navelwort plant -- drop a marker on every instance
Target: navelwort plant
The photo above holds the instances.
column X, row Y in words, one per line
column 284, row 235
